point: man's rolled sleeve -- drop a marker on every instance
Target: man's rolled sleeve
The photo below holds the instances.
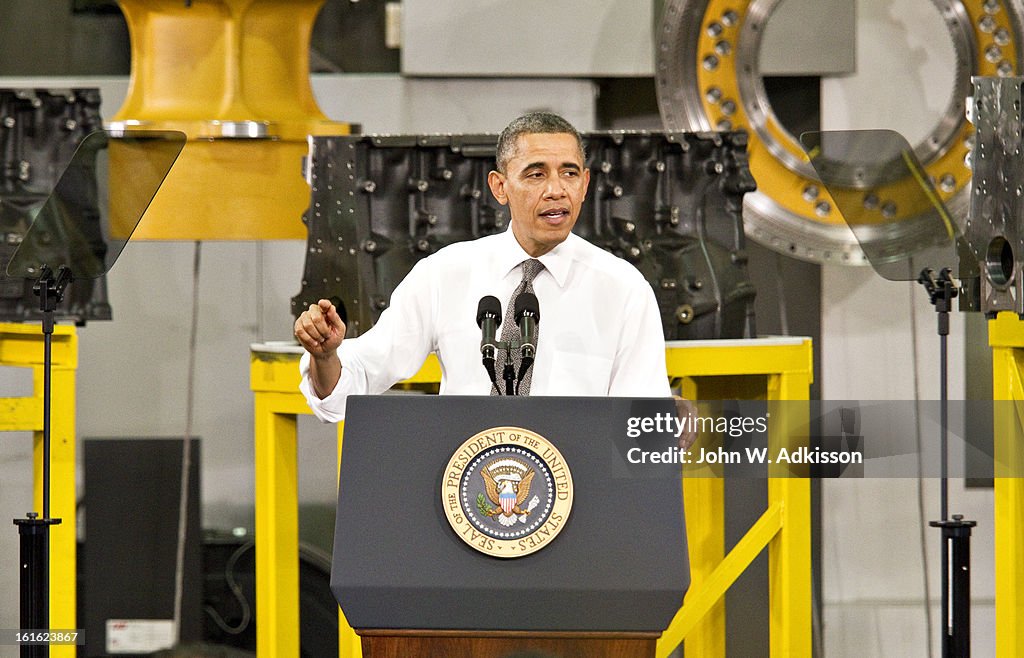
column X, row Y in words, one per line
column 330, row 409
column 394, row 349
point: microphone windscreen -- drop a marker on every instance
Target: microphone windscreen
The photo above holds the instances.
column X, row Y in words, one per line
column 527, row 301
column 489, row 305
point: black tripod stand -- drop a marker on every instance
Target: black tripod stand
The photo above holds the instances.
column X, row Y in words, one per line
column 956, row 532
column 34, row 531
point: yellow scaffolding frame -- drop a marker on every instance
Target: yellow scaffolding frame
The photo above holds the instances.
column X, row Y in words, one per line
column 21, row 345
column 1006, row 337
column 274, row 379
column 773, row 369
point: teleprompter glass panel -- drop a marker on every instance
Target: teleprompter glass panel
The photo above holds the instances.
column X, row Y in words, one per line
column 887, row 199
column 64, row 230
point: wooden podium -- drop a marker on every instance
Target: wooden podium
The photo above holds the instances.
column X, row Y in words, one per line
column 507, row 644
column 606, row 585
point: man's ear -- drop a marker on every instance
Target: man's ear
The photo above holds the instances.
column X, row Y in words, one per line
column 586, row 181
column 496, row 181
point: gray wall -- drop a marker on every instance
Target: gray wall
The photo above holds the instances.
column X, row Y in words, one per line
column 599, row 38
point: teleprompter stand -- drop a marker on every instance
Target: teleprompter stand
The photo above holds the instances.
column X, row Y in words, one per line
column 69, row 240
column 34, row 532
column 860, row 168
column 606, row 586
column 956, row 532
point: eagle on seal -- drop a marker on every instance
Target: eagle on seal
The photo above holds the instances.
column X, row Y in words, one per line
column 508, row 493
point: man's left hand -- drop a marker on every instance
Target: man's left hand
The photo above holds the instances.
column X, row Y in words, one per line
column 686, row 409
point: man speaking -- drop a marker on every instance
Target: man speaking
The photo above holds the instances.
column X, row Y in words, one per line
column 591, row 320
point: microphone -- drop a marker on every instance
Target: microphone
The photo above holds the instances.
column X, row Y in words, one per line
column 488, row 317
column 527, row 315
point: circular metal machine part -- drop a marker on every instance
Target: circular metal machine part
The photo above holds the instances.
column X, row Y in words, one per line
column 708, row 78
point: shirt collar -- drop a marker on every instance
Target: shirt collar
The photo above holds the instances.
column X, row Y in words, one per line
column 558, row 261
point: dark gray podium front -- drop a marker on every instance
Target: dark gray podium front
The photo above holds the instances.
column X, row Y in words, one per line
column 617, row 571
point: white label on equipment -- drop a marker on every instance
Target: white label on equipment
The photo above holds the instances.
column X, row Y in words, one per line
column 139, row 635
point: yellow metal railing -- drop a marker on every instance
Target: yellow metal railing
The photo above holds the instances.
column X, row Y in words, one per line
column 274, row 380
column 21, row 345
column 767, row 369
column 774, row 370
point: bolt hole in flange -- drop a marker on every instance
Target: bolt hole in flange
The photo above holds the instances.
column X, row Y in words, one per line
column 685, row 314
column 999, row 261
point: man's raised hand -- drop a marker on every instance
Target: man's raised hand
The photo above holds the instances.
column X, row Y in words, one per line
column 320, row 329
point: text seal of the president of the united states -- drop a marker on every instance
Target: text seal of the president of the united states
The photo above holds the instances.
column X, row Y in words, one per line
column 507, row 492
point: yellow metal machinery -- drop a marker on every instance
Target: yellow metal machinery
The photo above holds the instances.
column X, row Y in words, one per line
column 709, row 78
column 233, row 75
column 766, row 369
column 21, row 345
column 1006, row 336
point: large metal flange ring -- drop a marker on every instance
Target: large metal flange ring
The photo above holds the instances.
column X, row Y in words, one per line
column 708, row 78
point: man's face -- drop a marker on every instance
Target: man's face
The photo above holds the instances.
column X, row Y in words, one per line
column 544, row 186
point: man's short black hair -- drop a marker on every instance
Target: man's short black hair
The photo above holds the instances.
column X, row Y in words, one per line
column 532, row 123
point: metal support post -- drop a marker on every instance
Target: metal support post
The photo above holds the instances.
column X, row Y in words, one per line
column 1006, row 337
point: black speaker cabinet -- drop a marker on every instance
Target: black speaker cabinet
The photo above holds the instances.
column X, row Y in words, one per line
column 132, row 494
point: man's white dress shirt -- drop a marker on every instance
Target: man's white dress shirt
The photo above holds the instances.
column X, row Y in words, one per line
column 600, row 329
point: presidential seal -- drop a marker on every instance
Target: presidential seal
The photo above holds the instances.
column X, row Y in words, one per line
column 507, row 492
